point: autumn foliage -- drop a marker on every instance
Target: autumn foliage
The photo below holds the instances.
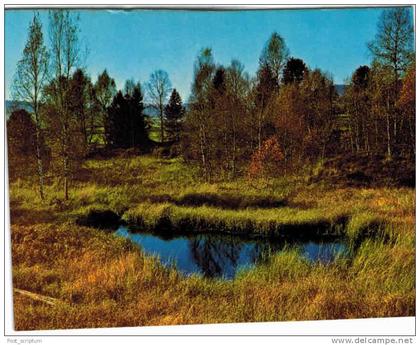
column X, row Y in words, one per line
column 266, row 161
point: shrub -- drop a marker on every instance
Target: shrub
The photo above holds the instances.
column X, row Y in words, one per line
column 266, row 161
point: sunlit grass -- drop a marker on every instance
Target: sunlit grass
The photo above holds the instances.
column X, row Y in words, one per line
column 104, row 281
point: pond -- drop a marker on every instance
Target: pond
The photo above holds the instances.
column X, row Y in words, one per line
column 221, row 256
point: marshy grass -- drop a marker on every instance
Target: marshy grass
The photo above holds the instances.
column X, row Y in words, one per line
column 269, row 222
column 105, row 281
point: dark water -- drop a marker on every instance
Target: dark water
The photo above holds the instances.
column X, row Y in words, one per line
column 214, row 255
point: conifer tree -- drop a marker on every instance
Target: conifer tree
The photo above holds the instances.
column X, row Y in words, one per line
column 174, row 112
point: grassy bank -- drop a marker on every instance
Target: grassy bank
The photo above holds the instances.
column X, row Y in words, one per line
column 266, row 222
column 102, row 281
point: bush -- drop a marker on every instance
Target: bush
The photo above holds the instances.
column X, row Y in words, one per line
column 267, row 161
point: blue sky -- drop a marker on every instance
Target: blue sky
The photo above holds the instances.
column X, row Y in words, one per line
column 132, row 44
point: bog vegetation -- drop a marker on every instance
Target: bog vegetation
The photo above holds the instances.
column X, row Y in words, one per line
column 277, row 153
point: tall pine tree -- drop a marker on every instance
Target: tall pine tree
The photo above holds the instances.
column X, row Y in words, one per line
column 125, row 123
column 174, row 112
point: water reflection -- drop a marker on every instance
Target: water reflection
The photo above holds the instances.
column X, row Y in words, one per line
column 212, row 255
column 215, row 255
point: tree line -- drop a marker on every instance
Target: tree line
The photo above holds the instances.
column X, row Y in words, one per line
column 72, row 116
column 290, row 115
column 286, row 116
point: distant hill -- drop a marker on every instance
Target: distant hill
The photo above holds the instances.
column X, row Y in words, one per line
column 11, row 106
column 340, row 89
column 152, row 112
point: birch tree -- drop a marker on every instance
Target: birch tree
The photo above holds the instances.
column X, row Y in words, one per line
column 29, row 80
column 393, row 48
column 65, row 58
column 199, row 117
column 159, row 87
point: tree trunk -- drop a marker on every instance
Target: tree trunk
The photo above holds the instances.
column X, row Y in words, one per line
column 259, row 132
column 161, row 128
column 234, row 155
column 38, row 144
column 388, row 128
column 83, row 129
column 233, row 162
column 412, row 136
column 65, row 155
column 388, row 134
column 66, row 182
column 394, row 141
column 161, row 123
column 104, row 120
column 65, row 165
column 203, row 152
column 39, row 158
